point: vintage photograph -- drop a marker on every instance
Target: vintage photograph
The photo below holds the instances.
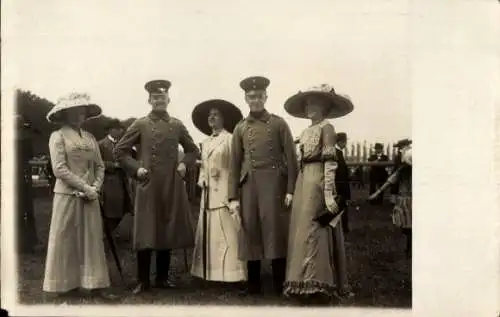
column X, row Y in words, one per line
column 242, row 154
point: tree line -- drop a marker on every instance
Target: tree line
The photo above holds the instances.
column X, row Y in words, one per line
column 33, row 110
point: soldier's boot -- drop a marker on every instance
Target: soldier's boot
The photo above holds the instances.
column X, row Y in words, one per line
column 162, row 268
column 143, row 267
column 279, row 273
column 254, row 286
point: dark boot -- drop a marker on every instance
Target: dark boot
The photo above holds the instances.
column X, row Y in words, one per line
column 253, row 284
column 162, row 269
column 143, row 267
column 279, row 273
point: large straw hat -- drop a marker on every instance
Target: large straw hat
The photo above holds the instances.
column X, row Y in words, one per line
column 338, row 105
column 230, row 113
column 73, row 100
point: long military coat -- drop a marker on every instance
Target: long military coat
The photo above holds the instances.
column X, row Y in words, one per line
column 263, row 168
column 116, row 200
column 163, row 218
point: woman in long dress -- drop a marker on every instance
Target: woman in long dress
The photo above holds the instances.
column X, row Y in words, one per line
column 215, row 255
column 310, row 274
column 75, row 256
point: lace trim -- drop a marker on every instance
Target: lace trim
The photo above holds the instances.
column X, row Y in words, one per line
column 328, row 153
column 294, row 288
column 310, row 138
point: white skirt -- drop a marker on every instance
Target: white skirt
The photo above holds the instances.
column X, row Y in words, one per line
column 222, row 248
column 75, row 254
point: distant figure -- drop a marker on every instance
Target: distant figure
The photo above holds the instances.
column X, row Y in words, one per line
column 402, row 176
column 378, row 174
column 25, row 220
column 358, row 177
column 402, row 213
column 394, row 188
column 116, row 201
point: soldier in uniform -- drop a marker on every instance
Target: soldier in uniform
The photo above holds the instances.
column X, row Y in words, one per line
column 262, row 174
column 116, row 200
column 162, row 218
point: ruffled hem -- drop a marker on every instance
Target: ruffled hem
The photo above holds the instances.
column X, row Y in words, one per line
column 304, row 288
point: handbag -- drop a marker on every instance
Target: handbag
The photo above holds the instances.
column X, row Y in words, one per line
column 328, row 218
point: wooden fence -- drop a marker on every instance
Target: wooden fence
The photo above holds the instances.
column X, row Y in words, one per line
column 356, row 155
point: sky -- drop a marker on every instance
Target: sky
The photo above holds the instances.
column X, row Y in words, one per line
column 110, row 49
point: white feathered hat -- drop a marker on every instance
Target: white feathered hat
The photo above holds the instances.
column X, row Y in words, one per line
column 73, row 100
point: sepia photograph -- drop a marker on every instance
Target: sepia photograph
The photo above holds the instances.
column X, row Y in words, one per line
column 236, row 154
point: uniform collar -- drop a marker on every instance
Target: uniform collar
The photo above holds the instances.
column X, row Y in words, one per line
column 264, row 117
column 153, row 115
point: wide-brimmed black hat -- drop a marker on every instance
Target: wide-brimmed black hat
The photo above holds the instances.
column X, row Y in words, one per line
column 378, row 145
column 402, row 143
column 338, row 105
column 230, row 113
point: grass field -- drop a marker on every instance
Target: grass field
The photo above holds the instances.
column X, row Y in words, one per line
column 379, row 272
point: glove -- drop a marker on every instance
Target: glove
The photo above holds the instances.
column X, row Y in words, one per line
column 329, row 186
column 330, row 203
column 91, row 193
column 182, row 169
column 142, row 173
column 234, row 206
column 288, row 200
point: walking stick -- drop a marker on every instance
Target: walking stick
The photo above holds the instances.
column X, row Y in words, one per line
column 111, row 242
column 205, row 236
column 390, row 180
column 109, row 237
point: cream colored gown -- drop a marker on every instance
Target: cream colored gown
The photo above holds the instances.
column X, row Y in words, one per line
column 222, row 227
